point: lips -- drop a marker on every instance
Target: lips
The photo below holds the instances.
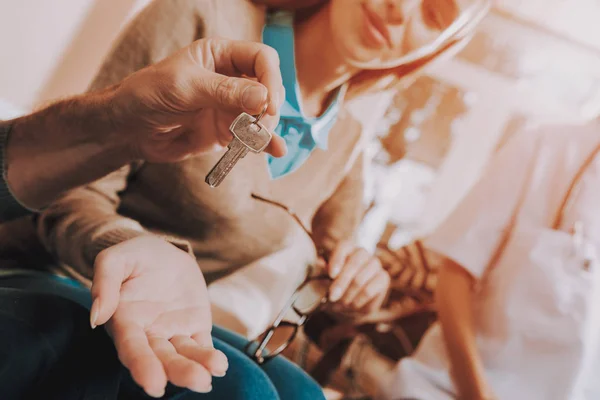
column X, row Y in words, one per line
column 376, row 31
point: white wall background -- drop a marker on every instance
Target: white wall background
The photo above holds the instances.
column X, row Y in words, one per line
column 52, row 48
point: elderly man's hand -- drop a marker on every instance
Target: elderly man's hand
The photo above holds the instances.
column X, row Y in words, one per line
column 185, row 104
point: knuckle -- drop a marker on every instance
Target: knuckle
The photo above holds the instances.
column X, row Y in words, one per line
column 341, row 251
column 343, row 283
column 203, row 52
column 271, row 54
column 195, row 376
column 359, row 257
column 347, row 245
column 362, row 252
column 194, row 51
column 360, row 301
column 377, row 262
column 357, row 282
column 105, row 259
column 185, row 377
column 216, row 359
column 225, row 90
column 363, row 278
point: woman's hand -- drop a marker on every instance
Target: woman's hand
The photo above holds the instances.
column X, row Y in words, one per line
column 359, row 279
column 154, row 300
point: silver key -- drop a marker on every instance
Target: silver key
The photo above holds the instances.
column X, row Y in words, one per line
column 248, row 135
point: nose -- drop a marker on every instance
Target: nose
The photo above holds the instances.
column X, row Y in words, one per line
column 398, row 10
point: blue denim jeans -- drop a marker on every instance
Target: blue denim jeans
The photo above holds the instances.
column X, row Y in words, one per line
column 245, row 380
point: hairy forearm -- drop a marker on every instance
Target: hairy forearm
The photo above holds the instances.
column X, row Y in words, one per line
column 454, row 303
column 63, row 146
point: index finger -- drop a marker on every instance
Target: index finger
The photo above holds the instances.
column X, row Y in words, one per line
column 277, row 146
column 255, row 60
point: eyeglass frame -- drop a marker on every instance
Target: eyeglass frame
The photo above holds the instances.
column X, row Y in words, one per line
column 267, row 335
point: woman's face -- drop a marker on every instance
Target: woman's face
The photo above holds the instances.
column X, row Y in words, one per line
column 367, row 31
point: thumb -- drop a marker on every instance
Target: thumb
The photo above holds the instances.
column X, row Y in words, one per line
column 106, row 288
column 233, row 93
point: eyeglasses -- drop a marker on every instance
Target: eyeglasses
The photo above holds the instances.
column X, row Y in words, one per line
column 309, row 297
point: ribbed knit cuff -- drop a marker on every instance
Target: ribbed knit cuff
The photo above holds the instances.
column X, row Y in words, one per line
column 116, row 236
column 111, row 238
column 10, row 207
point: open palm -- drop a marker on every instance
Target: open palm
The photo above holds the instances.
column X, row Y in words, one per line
column 153, row 298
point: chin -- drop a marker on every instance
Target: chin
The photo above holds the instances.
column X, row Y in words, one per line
column 354, row 53
column 364, row 59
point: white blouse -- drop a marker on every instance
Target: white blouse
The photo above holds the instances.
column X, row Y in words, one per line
column 537, row 310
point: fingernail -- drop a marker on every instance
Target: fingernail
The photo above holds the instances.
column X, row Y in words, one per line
column 157, row 393
column 220, row 366
column 336, row 294
column 219, row 374
column 254, row 98
column 207, row 390
column 335, row 271
column 94, row 313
